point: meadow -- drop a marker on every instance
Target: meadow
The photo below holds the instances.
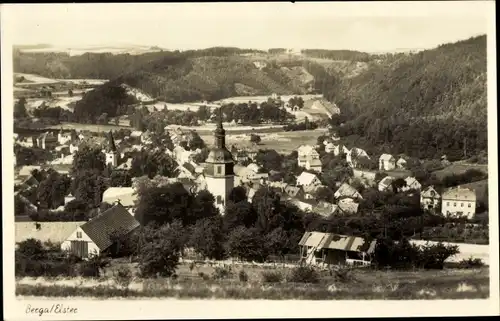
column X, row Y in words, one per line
column 202, row 282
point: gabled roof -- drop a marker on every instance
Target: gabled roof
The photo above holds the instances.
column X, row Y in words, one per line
column 115, row 221
column 386, row 181
column 427, row 192
column 348, row 207
column 305, row 178
column 292, row 191
column 337, row 242
column 459, row 193
column 347, row 190
column 411, row 180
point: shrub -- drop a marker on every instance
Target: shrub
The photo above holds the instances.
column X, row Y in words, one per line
column 470, row 263
column 272, row 277
column 304, row 274
column 222, row 272
column 122, row 277
column 203, row 276
column 243, row 276
column 32, row 248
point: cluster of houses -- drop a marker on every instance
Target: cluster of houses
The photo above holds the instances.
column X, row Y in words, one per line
column 220, row 173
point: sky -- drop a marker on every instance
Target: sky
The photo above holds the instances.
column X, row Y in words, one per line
column 372, row 27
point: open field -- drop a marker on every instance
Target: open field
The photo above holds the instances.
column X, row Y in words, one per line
column 89, row 127
column 459, row 168
column 259, row 99
column 282, row 142
column 359, row 284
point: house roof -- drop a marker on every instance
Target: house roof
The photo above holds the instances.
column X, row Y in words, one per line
column 427, row 192
column 292, row 190
column 56, row 232
column 26, row 170
column 337, row 242
column 386, row 157
column 115, row 221
column 410, row 181
column 401, row 160
column 348, row 207
column 325, row 209
column 253, row 167
column 386, row 181
column 305, row 178
column 126, row 165
column 459, row 193
column 305, row 149
column 347, row 190
column 190, row 167
column 125, row 195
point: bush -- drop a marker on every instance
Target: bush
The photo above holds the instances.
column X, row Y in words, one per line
column 470, row 263
column 243, row 276
column 122, row 277
column 304, row 274
column 220, row 273
column 272, row 277
column 32, row 248
column 203, row 276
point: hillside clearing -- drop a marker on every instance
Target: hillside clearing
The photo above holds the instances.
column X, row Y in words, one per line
column 459, row 168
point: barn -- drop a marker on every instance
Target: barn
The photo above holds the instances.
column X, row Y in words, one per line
column 96, row 235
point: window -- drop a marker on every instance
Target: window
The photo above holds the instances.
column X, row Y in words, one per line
column 461, row 204
column 454, row 204
column 219, row 200
column 219, row 169
column 469, row 205
column 447, row 203
column 78, row 235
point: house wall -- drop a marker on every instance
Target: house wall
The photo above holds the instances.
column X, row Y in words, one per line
column 92, row 247
column 426, row 201
column 455, row 207
column 387, row 165
column 334, row 257
column 112, row 159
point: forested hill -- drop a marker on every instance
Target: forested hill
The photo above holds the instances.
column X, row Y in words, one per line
column 426, row 104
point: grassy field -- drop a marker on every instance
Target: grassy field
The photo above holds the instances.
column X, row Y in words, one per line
column 360, row 284
column 282, row 142
column 458, row 168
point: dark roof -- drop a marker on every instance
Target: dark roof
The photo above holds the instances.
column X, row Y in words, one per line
column 190, row 167
column 112, row 145
column 116, row 220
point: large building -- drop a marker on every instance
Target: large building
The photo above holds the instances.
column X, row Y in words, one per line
column 459, row 201
column 219, row 169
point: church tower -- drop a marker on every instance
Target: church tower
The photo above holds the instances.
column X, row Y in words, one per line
column 219, row 173
column 111, row 152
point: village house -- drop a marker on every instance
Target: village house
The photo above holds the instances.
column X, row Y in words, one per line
column 68, row 198
column 25, row 171
column 401, row 163
column 64, row 138
column 308, row 181
column 186, row 170
column 73, row 148
column 459, row 201
column 308, row 158
column 347, row 206
column 126, row 164
column 99, row 234
column 46, row 141
column 386, row 184
column 387, row 162
column 354, row 155
column 26, row 141
column 429, row 199
column 411, row 184
column 346, row 190
column 325, row 249
column 126, row 196
column 54, row 232
column 294, row 191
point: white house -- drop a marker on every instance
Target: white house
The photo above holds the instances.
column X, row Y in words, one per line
column 387, row 162
column 348, row 206
column 429, row 198
column 73, row 148
column 63, row 138
column 308, row 181
column 308, row 158
column 411, row 183
column 346, row 190
column 401, row 163
column 68, row 198
column 459, row 201
column 96, row 235
column 353, row 156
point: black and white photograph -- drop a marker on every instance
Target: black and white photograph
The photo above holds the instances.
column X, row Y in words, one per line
column 249, row 155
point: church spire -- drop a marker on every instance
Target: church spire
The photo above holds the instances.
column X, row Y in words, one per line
column 220, row 133
column 112, row 146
